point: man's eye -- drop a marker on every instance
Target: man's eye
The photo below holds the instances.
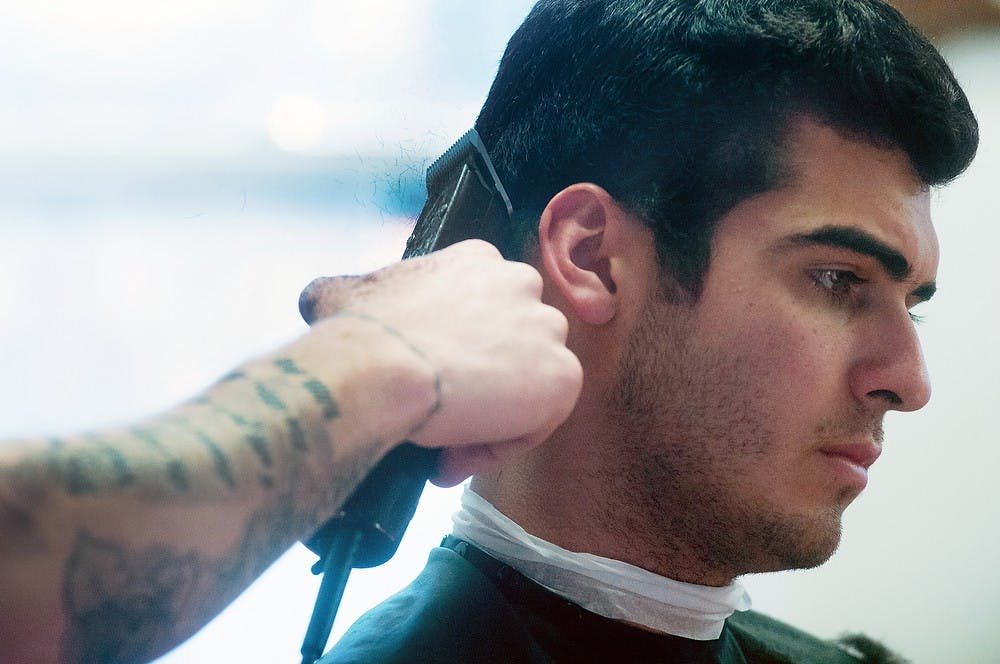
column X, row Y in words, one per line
column 837, row 283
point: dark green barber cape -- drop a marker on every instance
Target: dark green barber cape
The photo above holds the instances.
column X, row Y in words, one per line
column 466, row 607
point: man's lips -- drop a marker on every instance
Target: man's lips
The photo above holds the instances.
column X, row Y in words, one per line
column 863, row 454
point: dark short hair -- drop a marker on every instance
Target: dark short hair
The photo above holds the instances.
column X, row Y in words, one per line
column 679, row 108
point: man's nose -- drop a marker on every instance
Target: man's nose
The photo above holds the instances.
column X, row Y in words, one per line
column 890, row 372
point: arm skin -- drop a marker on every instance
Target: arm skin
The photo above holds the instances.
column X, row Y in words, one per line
column 118, row 545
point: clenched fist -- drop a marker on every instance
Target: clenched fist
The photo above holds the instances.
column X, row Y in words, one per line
column 496, row 354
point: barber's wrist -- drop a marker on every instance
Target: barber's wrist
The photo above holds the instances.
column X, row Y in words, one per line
column 383, row 385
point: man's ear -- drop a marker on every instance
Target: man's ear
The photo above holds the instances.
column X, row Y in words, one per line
column 579, row 233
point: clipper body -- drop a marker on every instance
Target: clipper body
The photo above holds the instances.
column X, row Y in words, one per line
column 465, row 199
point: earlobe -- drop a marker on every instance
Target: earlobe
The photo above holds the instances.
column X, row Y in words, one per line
column 574, row 234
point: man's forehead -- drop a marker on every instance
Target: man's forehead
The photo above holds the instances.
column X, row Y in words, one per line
column 843, row 192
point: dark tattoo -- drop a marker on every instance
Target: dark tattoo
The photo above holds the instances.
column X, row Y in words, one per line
column 175, row 467
column 69, row 467
column 258, row 443
column 129, row 605
column 219, row 460
column 323, row 397
column 269, row 398
column 78, row 476
column 56, row 447
column 124, row 475
column 297, row 435
column 89, row 469
column 25, row 490
column 232, row 375
column 289, row 367
column 254, row 434
column 178, row 475
column 118, row 603
column 19, row 528
column 235, row 418
column 149, row 439
column 416, row 350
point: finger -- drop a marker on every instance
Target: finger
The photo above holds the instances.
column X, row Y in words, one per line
column 556, row 322
column 323, row 297
column 456, row 464
column 530, row 278
column 473, row 247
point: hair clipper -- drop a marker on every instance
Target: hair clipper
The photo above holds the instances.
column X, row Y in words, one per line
column 465, row 199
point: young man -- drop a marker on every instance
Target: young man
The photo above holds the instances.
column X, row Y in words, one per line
column 730, row 203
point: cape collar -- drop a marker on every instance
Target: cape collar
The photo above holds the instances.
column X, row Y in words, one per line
column 607, row 587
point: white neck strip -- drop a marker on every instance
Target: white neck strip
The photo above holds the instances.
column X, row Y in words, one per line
column 603, row 586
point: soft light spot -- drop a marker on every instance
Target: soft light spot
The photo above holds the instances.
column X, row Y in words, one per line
column 296, row 123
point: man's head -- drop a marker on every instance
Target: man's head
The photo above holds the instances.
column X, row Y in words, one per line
column 731, row 201
column 679, row 108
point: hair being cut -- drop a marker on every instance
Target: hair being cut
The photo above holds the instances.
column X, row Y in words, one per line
column 679, row 108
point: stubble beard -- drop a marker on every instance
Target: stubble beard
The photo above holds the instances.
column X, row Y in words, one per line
column 694, row 427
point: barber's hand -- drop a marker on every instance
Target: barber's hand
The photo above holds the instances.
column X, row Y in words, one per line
column 506, row 377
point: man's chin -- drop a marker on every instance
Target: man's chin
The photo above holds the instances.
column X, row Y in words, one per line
column 801, row 542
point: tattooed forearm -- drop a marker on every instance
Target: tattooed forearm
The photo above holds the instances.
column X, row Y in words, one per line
column 146, row 457
column 110, row 592
column 128, row 604
column 149, row 531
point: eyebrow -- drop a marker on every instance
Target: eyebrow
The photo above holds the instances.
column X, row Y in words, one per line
column 861, row 242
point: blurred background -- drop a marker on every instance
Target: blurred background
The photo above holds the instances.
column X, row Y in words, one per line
column 171, row 175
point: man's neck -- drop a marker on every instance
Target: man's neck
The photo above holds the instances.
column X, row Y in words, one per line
column 580, row 516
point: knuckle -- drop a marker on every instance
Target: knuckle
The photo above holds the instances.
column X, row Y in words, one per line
column 528, row 276
column 477, row 247
column 309, row 299
column 559, row 323
column 569, row 373
column 319, row 298
column 547, row 321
